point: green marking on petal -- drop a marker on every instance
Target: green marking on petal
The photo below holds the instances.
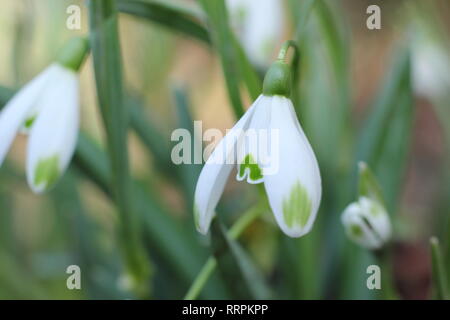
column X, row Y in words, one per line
column 29, row 122
column 356, row 230
column 297, row 207
column 47, row 171
column 255, row 171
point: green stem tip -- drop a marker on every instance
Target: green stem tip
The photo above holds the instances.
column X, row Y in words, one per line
column 278, row 79
column 439, row 275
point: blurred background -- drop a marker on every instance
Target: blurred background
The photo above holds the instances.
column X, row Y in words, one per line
column 380, row 95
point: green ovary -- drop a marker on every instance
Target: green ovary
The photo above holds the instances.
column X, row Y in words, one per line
column 47, row 171
column 297, row 207
column 255, row 173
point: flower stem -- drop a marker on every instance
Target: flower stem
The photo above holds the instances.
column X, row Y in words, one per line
column 295, row 64
column 235, row 231
column 439, row 276
column 285, row 47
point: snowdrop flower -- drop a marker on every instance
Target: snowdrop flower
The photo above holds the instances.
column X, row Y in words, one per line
column 367, row 223
column 430, row 59
column 431, row 65
column 294, row 187
column 47, row 109
column 258, row 25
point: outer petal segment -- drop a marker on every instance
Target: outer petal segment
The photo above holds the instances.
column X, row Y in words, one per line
column 54, row 134
column 215, row 172
column 17, row 110
column 294, row 189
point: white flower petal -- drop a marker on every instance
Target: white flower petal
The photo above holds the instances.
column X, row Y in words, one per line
column 254, row 149
column 48, row 74
column 53, row 136
column 294, row 190
column 215, row 172
column 17, row 110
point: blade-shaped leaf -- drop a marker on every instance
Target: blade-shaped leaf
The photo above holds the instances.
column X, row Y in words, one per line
column 385, row 139
column 223, row 40
column 166, row 237
column 240, row 273
column 188, row 172
column 151, row 136
column 104, row 41
column 179, row 18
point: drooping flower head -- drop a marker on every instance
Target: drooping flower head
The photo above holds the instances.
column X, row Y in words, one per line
column 267, row 145
column 366, row 221
column 47, row 109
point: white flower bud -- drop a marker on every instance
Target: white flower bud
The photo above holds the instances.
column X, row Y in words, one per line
column 367, row 223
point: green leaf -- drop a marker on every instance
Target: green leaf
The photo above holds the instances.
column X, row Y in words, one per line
column 167, row 238
column 108, row 76
column 368, row 184
column 333, row 36
column 13, row 275
column 439, row 272
column 252, row 80
column 240, row 273
column 300, row 11
column 151, row 136
column 188, row 172
column 98, row 265
column 5, row 95
column 223, row 39
column 385, row 139
column 299, row 262
column 169, row 14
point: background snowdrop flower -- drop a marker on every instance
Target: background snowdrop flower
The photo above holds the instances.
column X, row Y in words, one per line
column 47, row 109
column 294, row 189
column 431, row 65
column 258, row 25
column 430, row 58
column 367, row 223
